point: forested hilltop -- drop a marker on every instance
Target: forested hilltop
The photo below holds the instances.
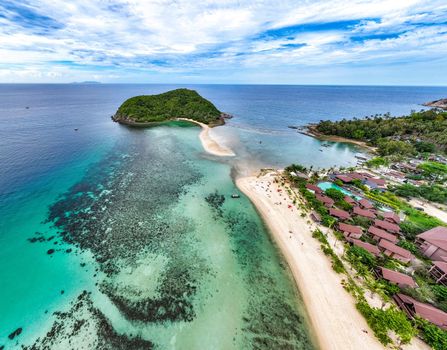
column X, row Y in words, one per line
column 179, row 103
column 424, row 131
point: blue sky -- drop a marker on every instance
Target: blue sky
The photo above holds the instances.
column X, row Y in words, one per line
column 381, row 42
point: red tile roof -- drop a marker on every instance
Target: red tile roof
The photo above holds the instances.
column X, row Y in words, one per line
column 379, row 182
column 398, row 278
column 390, row 215
column 366, row 203
column 388, row 226
column 436, row 236
column 382, row 234
column 349, row 200
column 369, row 247
column 365, row 213
column 350, row 228
column 314, row 188
column 344, row 178
column 397, row 252
column 358, row 176
column 341, row 214
column 430, row 313
column 325, row 199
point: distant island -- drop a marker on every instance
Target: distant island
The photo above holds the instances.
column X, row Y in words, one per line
column 442, row 103
column 175, row 104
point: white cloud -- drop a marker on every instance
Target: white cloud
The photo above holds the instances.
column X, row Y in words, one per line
column 183, row 36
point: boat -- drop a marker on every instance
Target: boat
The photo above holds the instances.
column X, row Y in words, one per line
column 234, row 195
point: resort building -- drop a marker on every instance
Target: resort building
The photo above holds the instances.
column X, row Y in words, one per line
column 364, row 213
column 339, row 214
column 314, row 188
column 400, row 279
column 358, row 176
column 391, row 216
column 413, row 307
column 387, row 226
column 376, row 184
column 374, row 250
column 350, row 231
column 433, row 243
column 439, row 272
column 315, row 217
column 350, row 200
column 328, row 202
column 395, row 252
column 379, row 234
column 365, row 204
column 343, row 178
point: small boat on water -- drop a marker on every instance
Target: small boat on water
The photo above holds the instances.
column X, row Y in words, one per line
column 234, row 195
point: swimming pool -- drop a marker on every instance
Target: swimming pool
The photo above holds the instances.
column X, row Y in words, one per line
column 326, row 185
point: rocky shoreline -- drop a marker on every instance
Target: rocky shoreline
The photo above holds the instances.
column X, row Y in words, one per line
column 442, row 104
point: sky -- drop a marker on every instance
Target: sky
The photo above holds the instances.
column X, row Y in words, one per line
column 375, row 42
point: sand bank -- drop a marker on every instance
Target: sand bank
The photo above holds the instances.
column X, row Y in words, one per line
column 209, row 144
column 336, row 322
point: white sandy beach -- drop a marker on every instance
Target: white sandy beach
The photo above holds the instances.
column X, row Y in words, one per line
column 336, row 322
column 209, row 143
column 334, row 318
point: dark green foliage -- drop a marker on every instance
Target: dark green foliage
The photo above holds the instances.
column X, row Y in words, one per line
column 361, row 221
column 440, row 292
column 172, row 104
column 429, row 126
column 335, row 194
column 433, row 335
column 410, row 230
column 389, row 147
column 297, row 168
column 343, row 205
column 410, row 246
column 338, row 182
column 358, row 255
column 425, row 147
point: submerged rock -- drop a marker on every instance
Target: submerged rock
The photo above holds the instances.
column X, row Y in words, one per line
column 16, row 333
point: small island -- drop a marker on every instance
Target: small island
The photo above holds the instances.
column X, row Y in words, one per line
column 175, row 104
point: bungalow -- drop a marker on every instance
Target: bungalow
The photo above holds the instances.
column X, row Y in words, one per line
column 379, row 234
column 339, row 214
column 343, row 178
column 387, row 226
column 395, row 252
column 328, row 202
column 365, row 213
column 439, row 272
column 400, row 279
column 350, row 231
column 375, row 183
column 315, row 217
column 365, row 204
column 367, row 246
column 391, row 216
column 358, row 176
column 413, row 307
column 350, row 200
column 433, row 243
column 314, row 188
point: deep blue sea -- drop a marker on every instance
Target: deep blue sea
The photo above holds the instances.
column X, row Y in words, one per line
column 140, row 220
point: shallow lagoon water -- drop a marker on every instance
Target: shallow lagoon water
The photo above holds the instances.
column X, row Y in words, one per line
column 165, row 262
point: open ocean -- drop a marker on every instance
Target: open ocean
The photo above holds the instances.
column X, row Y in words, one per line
column 119, row 238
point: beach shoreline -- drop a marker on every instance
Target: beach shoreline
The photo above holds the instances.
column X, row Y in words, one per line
column 209, row 144
column 334, row 319
column 312, row 132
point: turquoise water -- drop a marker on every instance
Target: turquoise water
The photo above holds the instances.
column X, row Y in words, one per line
column 326, row 185
column 113, row 238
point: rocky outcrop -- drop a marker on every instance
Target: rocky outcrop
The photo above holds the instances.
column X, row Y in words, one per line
column 442, row 104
